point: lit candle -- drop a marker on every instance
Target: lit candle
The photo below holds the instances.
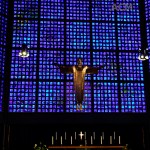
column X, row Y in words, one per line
column 94, row 135
column 71, row 140
column 85, row 135
column 110, row 139
column 56, row 135
column 65, row 135
column 52, row 140
column 91, row 140
column 75, row 135
column 61, row 140
column 103, row 135
column 101, row 140
column 114, row 135
column 119, row 139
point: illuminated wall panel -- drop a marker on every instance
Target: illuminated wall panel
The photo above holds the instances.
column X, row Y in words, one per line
column 3, row 29
column 25, row 31
column 103, row 36
column 129, row 36
column 1, row 93
column 51, row 97
column 130, row 67
column 47, row 69
column 108, row 61
column 51, row 34
column 129, row 10
column 147, row 13
column 147, row 9
column 26, row 8
column 148, row 34
column 23, row 68
column 71, row 60
column 77, row 10
column 71, row 105
column 77, row 35
column 102, row 10
column 106, row 97
column 62, row 31
column 132, row 97
column 52, row 9
column 22, row 96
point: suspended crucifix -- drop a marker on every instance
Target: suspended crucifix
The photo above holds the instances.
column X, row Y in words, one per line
column 78, row 72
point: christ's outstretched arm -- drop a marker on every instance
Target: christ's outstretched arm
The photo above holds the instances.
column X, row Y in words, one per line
column 64, row 69
column 93, row 70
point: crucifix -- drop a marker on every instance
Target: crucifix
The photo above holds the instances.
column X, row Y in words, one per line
column 78, row 72
column 81, row 135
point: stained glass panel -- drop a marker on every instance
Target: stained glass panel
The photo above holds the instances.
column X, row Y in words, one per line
column 22, row 96
column 103, row 36
column 51, row 97
column 106, row 97
column 132, row 97
column 129, row 36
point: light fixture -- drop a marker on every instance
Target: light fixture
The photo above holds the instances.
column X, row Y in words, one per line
column 143, row 54
column 24, row 52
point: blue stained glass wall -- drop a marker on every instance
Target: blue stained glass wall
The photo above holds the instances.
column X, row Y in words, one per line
column 62, row 31
column 3, row 27
column 147, row 12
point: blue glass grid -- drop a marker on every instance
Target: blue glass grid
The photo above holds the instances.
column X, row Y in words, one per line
column 77, row 35
column 51, row 34
column 51, row 97
column 22, row 96
column 102, row 10
column 103, row 36
column 3, row 26
column 78, row 44
column 71, row 105
column 147, row 9
column 26, row 9
column 132, row 97
column 148, row 34
column 47, row 69
column 129, row 10
column 77, row 10
column 108, row 61
column 129, row 36
column 130, row 67
column 52, row 9
column 1, row 93
column 2, row 61
column 71, row 60
column 25, row 31
column 106, row 97
column 4, row 7
column 23, row 68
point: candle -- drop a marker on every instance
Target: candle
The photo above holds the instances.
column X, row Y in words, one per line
column 91, row 140
column 114, row 135
column 94, row 135
column 119, row 139
column 52, row 140
column 75, row 135
column 65, row 135
column 103, row 135
column 101, row 140
column 56, row 135
column 61, row 140
column 110, row 139
column 85, row 135
column 71, row 140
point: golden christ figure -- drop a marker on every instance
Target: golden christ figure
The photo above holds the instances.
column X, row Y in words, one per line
column 78, row 72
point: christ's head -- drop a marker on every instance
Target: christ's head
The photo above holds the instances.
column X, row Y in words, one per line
column 79, row 61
